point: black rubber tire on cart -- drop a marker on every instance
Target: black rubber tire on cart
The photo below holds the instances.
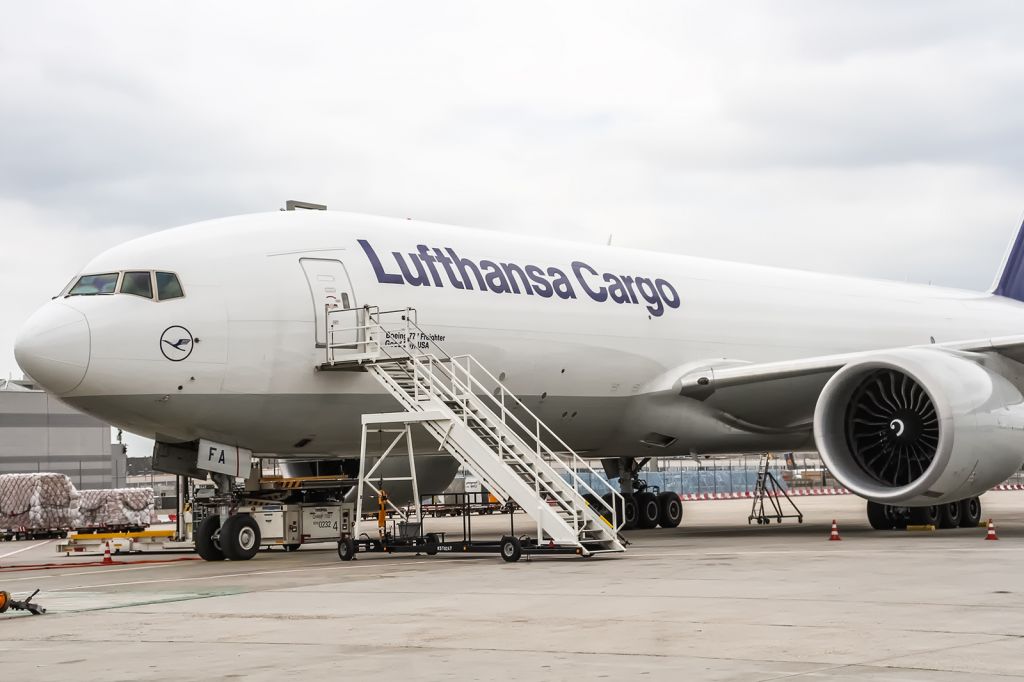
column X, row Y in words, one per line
column 346, row 549
column 433, row 539
column 924, row 516
column 511, row 549
column 647, row 510
column 880, row 516
column 670, row 509
column 949, row 515
column 240, row 537
column 970, row 512
column 207, row 548
column 294, row 547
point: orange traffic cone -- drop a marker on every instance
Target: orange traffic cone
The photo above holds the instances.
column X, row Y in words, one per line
column 991, row 535
column 106, row 553
column 834, row 535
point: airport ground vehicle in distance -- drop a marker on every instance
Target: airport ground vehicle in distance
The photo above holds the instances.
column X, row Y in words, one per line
column 215, row 332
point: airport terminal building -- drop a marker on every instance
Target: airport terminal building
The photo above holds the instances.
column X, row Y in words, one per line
column 38, row 433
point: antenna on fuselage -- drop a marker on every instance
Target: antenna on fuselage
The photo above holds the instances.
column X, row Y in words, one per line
column 293, row 204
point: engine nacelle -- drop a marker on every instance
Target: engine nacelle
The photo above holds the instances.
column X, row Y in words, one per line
column 920, row 426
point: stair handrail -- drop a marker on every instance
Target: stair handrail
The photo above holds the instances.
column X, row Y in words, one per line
column 541, row 448
column 374, row 325
column 577, row 462
column 461, row 392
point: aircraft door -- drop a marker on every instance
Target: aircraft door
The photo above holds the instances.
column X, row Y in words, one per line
column 332, row 290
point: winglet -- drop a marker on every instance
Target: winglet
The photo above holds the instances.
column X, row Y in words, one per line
column 1010, row 282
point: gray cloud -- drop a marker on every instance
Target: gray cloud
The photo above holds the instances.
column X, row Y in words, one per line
column 877, row 138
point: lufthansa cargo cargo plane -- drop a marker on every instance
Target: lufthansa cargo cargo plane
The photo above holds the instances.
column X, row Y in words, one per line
column 912, row 394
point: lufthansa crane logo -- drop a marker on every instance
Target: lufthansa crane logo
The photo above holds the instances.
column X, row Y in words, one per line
column 176, row 343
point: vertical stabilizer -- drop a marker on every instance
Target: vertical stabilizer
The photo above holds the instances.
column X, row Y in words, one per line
column 1010, row 282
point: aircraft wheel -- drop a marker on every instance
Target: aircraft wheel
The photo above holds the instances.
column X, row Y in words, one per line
column 207, row 547
column 671, row 510
column 880, row 516
column 970, row 512
column 647, row 510
column 949, row 515
column 924, row 516
column 628, row 515
column 346, row 549
column 240, row 537
column 511, row 550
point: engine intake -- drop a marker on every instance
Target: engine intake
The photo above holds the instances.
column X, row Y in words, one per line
column 892, row 428
column 920, row 426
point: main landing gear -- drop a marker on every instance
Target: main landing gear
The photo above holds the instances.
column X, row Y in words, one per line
column 645, row 506
column 962, row 514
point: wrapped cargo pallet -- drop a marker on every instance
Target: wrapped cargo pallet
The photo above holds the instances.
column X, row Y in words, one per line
column 117, row 507
column 38, row 502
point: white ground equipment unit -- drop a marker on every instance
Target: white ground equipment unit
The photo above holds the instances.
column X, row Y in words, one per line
column 293, row 525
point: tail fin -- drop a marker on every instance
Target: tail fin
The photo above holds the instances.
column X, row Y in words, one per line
column 1010, row 282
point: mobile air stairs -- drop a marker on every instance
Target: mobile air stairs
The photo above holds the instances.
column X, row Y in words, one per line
column 486, row 428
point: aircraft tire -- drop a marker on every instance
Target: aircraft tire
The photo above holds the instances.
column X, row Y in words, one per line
column 648, row 510
column 626, row 511
column 511, row 550
column 240, row 537
column 924, row 516
column 880, row 516
column 949, row 515
column 670, row 509
column 970, row 512
column 207, row 548
column 435, row 540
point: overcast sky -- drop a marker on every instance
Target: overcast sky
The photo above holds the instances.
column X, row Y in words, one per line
column 872, row 138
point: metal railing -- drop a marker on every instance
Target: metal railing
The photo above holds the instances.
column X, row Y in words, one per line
column 396, row 334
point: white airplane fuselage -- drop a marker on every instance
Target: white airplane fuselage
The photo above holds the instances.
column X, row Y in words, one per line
column 585, row 336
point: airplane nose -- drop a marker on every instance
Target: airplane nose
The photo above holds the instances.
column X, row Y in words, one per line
column 53, row 347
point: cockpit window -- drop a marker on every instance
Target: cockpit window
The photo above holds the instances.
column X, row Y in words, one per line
column 137, row 284
column 167, row 286
column 90, row 285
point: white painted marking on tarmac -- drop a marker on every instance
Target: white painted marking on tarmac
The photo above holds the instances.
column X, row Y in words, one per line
column 325, row 567
column 25, row 549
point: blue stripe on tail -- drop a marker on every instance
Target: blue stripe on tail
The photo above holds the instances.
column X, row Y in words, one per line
column 1011, row 279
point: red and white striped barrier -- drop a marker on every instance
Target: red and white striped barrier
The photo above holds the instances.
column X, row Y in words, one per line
column 746, row 495
column 801, row 492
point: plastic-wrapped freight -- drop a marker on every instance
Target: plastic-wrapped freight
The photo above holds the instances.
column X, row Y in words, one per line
column 117, row 507
column 38, row 501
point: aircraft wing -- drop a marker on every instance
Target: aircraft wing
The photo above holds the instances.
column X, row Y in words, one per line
column 700, row 381
column 782, row 395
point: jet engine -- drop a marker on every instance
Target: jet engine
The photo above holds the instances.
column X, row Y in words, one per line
column 921, row 426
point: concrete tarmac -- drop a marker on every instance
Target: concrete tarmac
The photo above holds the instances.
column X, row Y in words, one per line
column 715, row 599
